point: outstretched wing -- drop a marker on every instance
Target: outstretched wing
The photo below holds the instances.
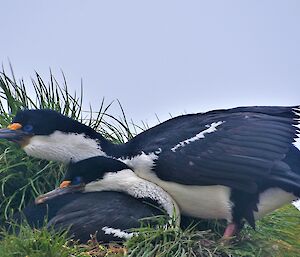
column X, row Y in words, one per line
column 240, row 148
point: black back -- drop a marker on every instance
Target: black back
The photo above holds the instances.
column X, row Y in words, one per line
column 252, row 144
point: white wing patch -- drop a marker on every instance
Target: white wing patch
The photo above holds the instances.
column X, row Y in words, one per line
column 117, row 232
column 297, row 204
column 297, row 139
column 211, row 128
column 143, row 162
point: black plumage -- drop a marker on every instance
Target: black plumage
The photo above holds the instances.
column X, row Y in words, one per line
column 86, row 214
column 248, row 149
column 250, row 145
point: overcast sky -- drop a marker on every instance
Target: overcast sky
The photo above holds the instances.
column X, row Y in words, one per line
column 160, row 57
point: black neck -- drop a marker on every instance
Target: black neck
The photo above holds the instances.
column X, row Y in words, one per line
column 112, row 149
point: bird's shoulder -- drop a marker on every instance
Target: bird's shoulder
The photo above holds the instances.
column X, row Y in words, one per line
column 226, row 122
column 237, row 147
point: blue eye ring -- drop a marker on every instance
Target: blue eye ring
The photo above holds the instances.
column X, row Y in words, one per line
column 28, row 128
column 77, row 180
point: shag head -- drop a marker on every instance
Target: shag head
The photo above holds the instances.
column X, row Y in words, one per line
column 108, row 174
column 49, row 135
column 81, row 176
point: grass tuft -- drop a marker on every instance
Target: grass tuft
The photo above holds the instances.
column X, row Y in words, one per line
column 36, row 243
column 170, row 240
column 277, row 235
column 22, row 178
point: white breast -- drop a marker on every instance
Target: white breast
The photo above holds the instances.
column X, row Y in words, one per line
column 197, row 201
column 272, row 199
column 214, row 201
column 127, row 181
column 205, row 201
column 211, row 202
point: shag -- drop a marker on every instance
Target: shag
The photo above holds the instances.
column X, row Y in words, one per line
column 84, row 212
column 233, row 164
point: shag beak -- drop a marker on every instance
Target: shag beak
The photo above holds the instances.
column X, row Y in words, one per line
column 59, row 191
column 13, row 133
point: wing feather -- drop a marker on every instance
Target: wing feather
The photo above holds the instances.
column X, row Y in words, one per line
column 246, row 149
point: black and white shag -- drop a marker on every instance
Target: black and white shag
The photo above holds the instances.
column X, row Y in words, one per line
column 230, row 164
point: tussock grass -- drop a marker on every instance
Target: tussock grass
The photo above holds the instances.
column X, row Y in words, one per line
column 170, row 240
column 273, row 238
column 36, row 243
column 22, row 178
column 23, row 241
column 276, row 235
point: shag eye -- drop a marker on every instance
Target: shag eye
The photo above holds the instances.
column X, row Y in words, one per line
column 27, row 128
column 77, row 180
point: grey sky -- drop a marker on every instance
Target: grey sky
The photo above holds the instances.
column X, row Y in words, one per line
column 160, row 56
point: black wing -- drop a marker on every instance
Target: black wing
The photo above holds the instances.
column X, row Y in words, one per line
column 240, row 148
column 85, row 214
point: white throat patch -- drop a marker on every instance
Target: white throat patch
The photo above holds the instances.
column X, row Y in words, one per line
column 197, row 201
column 63, row 147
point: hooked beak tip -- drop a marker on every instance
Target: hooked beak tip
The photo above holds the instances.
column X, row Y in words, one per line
column 58, row 192
column 39, row 200
column 12, row 135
